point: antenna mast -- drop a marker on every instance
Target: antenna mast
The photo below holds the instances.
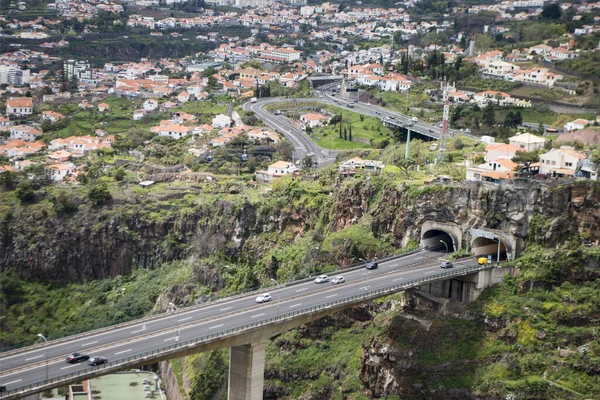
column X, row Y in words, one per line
column 444, row 135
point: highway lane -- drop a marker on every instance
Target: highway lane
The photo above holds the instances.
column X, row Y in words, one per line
column 302, row 143
column 305, row 296
column 57, row 350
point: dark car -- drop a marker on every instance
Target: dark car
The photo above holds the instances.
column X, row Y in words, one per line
column 77, row 357
column 2, row 388
column 446, row 264
column 371, row 265
column 97, row 360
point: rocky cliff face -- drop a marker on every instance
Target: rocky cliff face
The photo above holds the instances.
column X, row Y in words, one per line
column 97, row 243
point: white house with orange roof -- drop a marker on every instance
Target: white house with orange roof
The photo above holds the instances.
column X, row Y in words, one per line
column 176, row 131
column 5, row 124
column 58, row 172
column 150, row 105
column 139, row 114
column 263, row 135
column 183, row 97
column 576, row 125
column 539, row 76
column 281, row 168
column 20, row 106
column 502, row 168
column 485, row 59
column 562, row 161
column 352, row 164
column 24, row 132
column 52, row 116
column 314, row 120
column 497, row 151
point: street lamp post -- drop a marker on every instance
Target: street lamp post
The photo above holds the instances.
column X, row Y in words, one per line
column 278, row 294
column 445, row 244
column 174, row 308
column 46, row 346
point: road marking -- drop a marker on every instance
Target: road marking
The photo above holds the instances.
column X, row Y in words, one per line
column 295, row 305
column 69, row 366
column 333, row 295
column 124, row 351
column 226, row 308
column 216, row 326
column 33, row 358
column 10, row 383
column 184, row 319
column 300, row 290
column 139, row 330
column 166, row 340
column 398, row 279
column 87, row 344
column 254, row 316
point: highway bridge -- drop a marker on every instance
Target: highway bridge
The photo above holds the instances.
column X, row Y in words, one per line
column 237, row 322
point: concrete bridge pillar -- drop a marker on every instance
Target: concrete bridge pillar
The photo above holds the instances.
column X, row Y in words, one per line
column 247, row 372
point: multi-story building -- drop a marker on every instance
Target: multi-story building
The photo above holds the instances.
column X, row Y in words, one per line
column 77, row 69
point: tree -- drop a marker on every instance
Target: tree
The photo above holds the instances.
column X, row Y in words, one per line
column 99, row 194
column 526, row 156
column 307, row 162
column 25, row 192
column 210, row 377
column 551, row 11
column 488, row 115
column 513, row 119
column 404, row 164
column 285, row 150
column 541, row 129
column 350, row 133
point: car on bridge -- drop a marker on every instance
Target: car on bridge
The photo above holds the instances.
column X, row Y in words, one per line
column 446, row 264
column 337, row 280
column 263, row 298
column 321, row 279
column 371, row 265
column 96, row 360
column 77, row 357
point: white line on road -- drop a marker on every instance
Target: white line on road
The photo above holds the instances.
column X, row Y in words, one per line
column 216, row 326
column 87, row 344
column 184, row 319
column 333, row 295
column 254, row 316
column 69, row 366
column 33, row 358
column 124, row 351
column 226, row 308
column 10, row 383
column 300, row 290
column 166, row 340
column 295, row 305
column 398, row 279
column 139, row 330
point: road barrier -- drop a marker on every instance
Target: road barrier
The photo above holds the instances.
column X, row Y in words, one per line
column 147, row 357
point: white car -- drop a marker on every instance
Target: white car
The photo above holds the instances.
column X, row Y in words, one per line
column 337, row 280
column 263, row 298
column 321, row 279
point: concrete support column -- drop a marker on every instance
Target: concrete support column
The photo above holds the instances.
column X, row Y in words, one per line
column 247, row 372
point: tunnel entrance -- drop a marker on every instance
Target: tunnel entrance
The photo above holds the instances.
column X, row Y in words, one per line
column 438, row 240
column 489, row 247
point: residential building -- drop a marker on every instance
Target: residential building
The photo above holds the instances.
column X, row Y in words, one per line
column 491, row 171
column 561, row 162
column 281, row 168
column 314, row 120
column 527, row 141
column 52, row 116
column 77, row 69
column 176, row 131
column 58, row 172
column 578, row 124
column 19, row 106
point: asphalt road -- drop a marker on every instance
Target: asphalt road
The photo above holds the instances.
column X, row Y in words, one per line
column 302, row 143
column 28, row 366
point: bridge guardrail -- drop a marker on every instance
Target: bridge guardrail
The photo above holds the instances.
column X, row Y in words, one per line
column 367, row 295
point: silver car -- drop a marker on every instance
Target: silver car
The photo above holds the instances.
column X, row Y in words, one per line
column 263, row 298
column 337, row 280
column 321, row 279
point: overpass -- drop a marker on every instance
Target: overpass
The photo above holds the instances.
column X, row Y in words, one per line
column 236, row 322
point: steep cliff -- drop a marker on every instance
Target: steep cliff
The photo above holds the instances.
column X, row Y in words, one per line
column 100, row 242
